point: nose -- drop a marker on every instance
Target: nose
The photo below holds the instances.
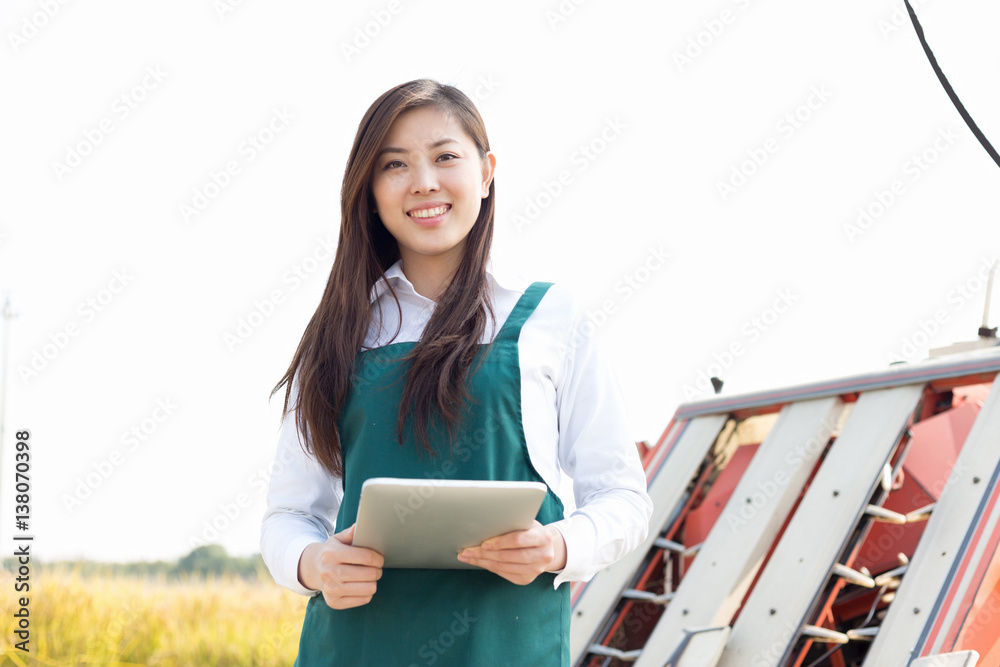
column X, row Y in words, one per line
column 424, row 179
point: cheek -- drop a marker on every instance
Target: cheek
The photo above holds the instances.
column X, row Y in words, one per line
column 382, row 194
column 469, row 185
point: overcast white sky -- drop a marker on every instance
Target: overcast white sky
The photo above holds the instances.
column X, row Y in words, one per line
column 739, row 138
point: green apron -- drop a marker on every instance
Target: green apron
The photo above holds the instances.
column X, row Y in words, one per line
column 465, row 618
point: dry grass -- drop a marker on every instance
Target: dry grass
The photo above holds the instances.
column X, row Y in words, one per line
column 115, row 621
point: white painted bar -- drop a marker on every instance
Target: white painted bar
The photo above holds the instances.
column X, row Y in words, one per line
column 666, row 489
column 930, row 568
column 704, row 648
column 960, row 659
column 773, row 616
column 718, row 579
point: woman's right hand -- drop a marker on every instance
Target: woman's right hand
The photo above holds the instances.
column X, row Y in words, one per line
column 345, row 574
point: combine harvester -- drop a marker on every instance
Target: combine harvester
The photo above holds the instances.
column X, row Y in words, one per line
column 851, row 522
column 847, row 523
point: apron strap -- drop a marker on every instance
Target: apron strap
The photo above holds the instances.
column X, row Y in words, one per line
column 511, row 329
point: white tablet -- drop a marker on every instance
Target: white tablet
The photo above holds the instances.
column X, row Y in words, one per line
column 425, row 523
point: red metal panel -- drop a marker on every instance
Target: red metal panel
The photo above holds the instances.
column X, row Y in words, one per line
column 933, row 449
column 700, row 521
column 983, row 529
column 886, row 540
column 936, row 444
column 981, row 631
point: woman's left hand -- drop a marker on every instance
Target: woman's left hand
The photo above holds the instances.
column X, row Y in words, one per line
column 521, row 556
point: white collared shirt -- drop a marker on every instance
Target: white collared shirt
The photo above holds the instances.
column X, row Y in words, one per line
column 574, row 422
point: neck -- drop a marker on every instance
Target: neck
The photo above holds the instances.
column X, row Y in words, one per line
column 430, row 275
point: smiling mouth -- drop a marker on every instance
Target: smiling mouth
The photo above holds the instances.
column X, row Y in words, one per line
column 429, row 212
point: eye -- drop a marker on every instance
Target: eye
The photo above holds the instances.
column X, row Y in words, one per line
column 392, row 164
column 447, row 157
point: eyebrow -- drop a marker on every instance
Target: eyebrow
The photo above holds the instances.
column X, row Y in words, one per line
column 393, row 149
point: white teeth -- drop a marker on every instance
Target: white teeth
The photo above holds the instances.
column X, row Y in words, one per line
column 429, row 212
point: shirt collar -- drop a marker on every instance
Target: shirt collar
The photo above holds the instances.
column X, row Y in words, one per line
column 394, row 276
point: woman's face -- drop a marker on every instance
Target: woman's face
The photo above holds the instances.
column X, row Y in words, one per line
column 429, row 182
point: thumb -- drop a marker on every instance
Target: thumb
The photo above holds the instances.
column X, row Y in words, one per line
column 346, row 536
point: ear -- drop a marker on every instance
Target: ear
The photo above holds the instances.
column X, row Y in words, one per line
column 489, row 168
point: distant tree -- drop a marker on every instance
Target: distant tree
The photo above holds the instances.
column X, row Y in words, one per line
column 209, row 559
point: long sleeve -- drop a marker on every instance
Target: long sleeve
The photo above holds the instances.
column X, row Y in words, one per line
column 596, row 450
column 302, row 504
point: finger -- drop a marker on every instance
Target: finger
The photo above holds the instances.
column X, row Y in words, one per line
column 350, row 588
column 536, row 558
column 346, row 602
column 517, row 574
column 345, row 572
column 352, row 555
column 530, row 555
column 346, row 536
column 516, row 540
column 361, row 556
column 511, row 568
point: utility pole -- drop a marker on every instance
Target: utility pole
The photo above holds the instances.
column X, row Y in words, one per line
column 985, row 331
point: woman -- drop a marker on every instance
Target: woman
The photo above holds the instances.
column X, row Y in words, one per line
column 420, row 362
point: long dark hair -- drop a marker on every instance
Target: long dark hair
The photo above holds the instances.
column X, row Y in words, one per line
column 323, row 363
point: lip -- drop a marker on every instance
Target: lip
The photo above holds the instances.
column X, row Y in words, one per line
column 429, row 222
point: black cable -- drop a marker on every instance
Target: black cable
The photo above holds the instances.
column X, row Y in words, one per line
column 871, row 612
column 948, row 89
column 826, row 655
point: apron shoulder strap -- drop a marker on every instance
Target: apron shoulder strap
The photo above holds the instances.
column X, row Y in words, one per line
column 511, row 329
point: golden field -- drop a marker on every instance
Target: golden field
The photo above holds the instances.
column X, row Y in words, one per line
column 114, row 621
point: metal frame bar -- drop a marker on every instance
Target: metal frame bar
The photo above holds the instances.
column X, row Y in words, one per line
column 773, row 615
column 974, row 368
